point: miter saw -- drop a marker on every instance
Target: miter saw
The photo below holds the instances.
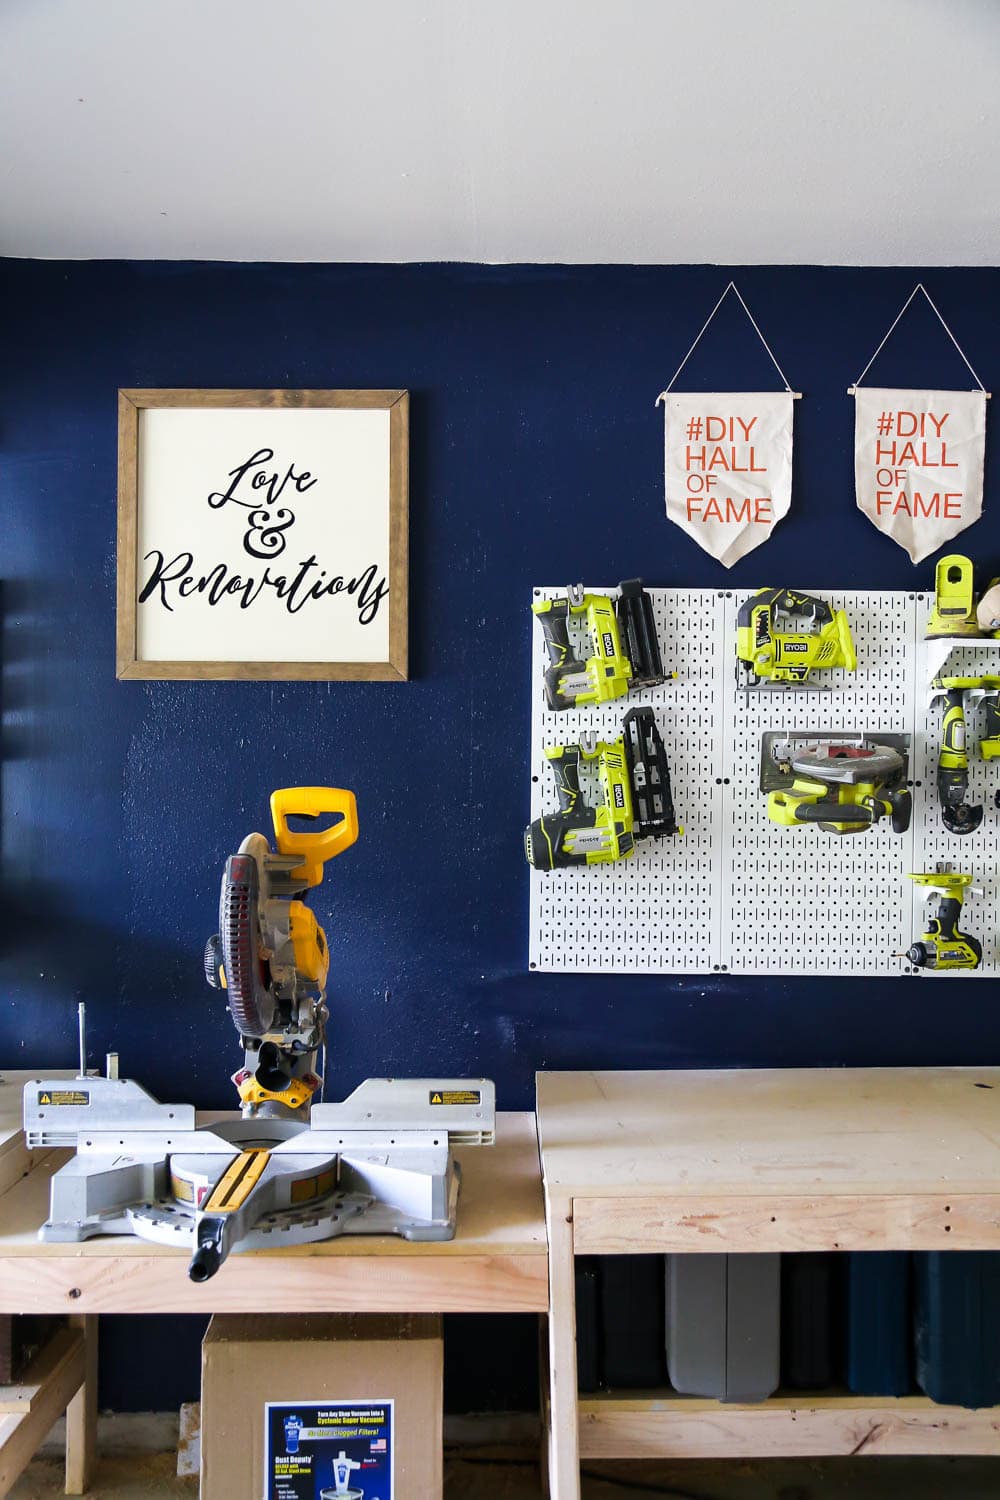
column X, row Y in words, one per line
column 841, row 783
column 287, row 1172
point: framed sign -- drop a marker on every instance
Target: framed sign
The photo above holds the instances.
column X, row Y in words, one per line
column 262, row 534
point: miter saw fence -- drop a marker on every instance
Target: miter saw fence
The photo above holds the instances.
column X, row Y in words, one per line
column 286, row 1173
column 841, row 783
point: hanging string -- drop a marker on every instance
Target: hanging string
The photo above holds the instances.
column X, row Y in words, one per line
column 918, row 288
column 732, row 287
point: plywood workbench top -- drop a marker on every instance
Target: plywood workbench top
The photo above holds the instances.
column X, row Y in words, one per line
column 764, row 1130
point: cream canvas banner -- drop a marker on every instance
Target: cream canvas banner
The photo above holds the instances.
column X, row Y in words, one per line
column 918, row 463
column 728, row 467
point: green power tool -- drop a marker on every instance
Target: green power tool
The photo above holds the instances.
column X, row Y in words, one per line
column 782, row 636
column 636, row 799
column 840, row 783
column 626, row 651
column 957, row 815
column 942, row 946
column 954, row 614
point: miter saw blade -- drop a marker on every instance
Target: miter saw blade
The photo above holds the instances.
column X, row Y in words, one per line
column 245, row 960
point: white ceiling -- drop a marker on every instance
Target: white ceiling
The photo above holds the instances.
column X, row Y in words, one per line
column 732, row 131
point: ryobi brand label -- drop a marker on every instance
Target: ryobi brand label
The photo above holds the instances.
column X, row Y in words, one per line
column 608, row 643
column 619, row 794
column 792, row 647
column 456, row 1096
column 57, row 1097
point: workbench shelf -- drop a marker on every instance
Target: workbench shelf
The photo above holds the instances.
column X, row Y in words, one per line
column 765, row 1161
column 663, row 1424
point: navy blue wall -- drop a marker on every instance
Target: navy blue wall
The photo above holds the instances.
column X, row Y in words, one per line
column 536, row 455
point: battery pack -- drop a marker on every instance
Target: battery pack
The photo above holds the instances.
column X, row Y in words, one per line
column 958, row 1326
column 810, row 1322
column 632, row 1321
column 878, row 1331
column 723, row 1325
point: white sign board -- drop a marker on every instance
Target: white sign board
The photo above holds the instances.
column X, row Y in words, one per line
column 261, row 540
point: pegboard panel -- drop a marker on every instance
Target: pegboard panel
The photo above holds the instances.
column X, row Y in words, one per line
column 738, row 893
column 655, row 911
column 799, row 900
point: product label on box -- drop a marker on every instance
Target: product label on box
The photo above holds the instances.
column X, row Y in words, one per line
column 321, row 1450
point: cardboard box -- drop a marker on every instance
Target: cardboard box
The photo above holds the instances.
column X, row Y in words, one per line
column 321, row 1370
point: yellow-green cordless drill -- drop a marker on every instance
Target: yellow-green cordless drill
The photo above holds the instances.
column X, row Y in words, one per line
column 942, row 946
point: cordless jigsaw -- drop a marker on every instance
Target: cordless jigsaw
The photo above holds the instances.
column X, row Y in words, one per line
column 288, row 1171
column 783, row 636
column 636, row 799
column 625, row 649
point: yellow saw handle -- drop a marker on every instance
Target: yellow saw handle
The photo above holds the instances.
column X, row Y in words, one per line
column 315, row 848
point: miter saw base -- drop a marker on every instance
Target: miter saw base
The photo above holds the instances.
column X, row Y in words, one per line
column 378, row 1163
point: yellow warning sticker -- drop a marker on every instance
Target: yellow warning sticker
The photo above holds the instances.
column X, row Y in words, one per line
column 456, row 1096
column 57, row 1097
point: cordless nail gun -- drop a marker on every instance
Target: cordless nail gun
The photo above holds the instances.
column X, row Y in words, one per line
column 636, row 799
column 626, row 652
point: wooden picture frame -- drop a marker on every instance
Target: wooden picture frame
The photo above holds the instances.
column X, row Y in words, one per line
column 168, row 467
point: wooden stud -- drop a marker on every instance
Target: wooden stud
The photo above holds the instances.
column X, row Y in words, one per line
column 803, row 1426
column 870, row 1221
column 55, row 1376
column 563, row 1445
column 81, row 1413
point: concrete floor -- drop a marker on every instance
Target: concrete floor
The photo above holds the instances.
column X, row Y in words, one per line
column 472, row 1474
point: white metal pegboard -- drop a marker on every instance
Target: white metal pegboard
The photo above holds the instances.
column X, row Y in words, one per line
column 738, row 892
column 799, row 900
column 655, row 911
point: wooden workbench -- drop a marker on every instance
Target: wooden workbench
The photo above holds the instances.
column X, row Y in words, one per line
column 760, row 1160
column 496, row 1263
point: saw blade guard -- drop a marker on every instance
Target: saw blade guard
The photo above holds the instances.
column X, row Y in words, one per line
column 249, row 992
column 847, row 765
